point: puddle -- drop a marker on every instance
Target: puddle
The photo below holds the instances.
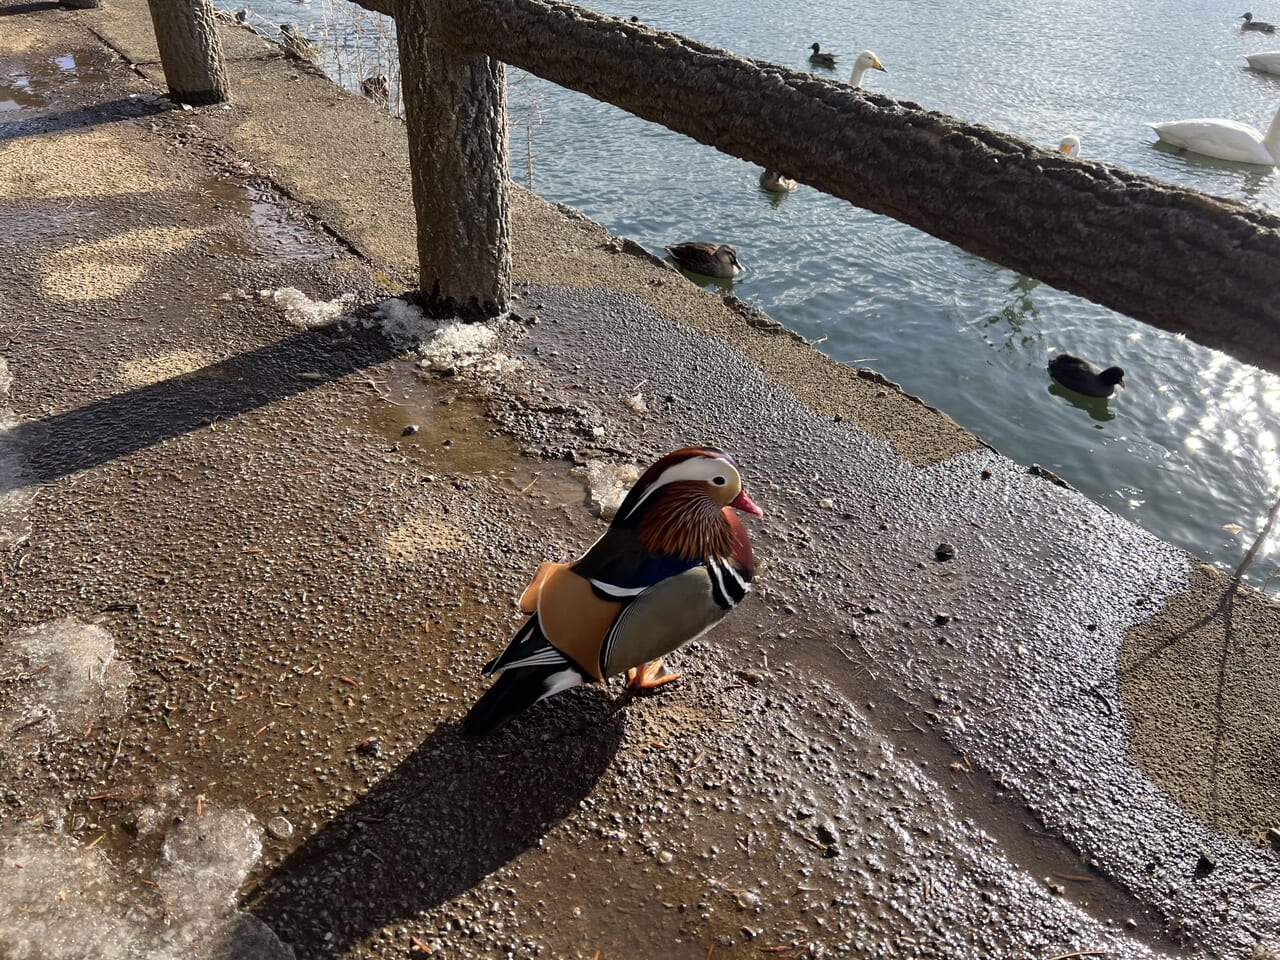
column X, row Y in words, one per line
column 273, row 233
column 30, row 91
column 435, row 427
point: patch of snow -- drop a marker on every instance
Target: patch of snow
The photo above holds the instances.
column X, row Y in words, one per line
column 443, row 345
column 305, row 313
column 404, row 325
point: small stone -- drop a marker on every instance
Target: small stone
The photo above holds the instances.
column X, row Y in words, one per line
column 410, row 429
column 944, row 551
column 371, row 747
column 280, row 828
column 1273, row 838
column 665, row 856
column 748, row 899
column 941, row 618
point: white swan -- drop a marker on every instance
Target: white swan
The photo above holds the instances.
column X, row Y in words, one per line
column 1224, row 139
column 1264, row 62
column 866, row 61
column 1070, row 145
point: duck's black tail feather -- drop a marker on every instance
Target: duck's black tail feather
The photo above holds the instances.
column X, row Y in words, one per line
column 514, row 692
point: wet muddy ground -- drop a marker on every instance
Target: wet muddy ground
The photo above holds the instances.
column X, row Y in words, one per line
column 254, row 565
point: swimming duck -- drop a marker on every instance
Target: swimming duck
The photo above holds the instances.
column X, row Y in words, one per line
column 707, row 259
column 775, row 182
column 1258, row 25
column 674, row 561
column 821, row 58
column 1085, row 377
column 866, row 61
column 296, row 45
column 1070, row 145
column 1224, row 139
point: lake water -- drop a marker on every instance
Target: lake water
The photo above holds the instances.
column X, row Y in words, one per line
column 1188, row 451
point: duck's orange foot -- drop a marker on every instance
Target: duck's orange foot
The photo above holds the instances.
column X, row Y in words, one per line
column 649, row 675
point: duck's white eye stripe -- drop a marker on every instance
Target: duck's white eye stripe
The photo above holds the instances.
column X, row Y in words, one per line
column 695, row 468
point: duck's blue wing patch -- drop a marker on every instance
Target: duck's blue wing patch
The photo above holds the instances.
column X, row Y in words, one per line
column 619, row 566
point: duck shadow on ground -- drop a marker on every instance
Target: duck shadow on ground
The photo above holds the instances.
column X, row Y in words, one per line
column 450, row 814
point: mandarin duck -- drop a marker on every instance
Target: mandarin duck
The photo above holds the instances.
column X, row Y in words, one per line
column 673, row 562
column 1085, row 377
column 707, row 259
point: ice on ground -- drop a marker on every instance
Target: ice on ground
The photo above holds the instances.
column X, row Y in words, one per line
column 65, row 675
column 57, row 901
column 204, row 860
column 63, row 899
column 443, row 344
column 305, row 313
column 607, row 485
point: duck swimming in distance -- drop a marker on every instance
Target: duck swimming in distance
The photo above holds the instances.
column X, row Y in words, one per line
column 1085, row 377
column 673, row 563
column 821, row 57
column 1070, row 145
column 775, row 182
column 1258, row 25
column 707, row 259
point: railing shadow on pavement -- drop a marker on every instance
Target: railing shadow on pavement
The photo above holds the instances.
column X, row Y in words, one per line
column 453, row 812
column 104, row 430
column 112, row 111
column 18, row 9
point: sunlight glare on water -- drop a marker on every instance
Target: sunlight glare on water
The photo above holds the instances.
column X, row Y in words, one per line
column 1188, row 450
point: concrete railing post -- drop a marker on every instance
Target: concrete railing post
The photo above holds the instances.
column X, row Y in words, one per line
column 190, row 50
column 455, row 102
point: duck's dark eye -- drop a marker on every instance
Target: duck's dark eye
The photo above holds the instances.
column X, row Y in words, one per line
column 719, row 481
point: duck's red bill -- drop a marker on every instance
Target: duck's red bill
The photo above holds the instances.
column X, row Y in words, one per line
column 743, row 502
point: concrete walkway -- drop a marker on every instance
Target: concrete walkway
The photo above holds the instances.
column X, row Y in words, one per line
column 264, row 523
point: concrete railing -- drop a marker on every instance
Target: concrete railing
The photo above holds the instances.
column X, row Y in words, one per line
column 1175, row 258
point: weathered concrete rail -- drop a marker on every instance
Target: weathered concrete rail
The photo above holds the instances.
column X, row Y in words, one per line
column 1171, row 257
column 1175, row 258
